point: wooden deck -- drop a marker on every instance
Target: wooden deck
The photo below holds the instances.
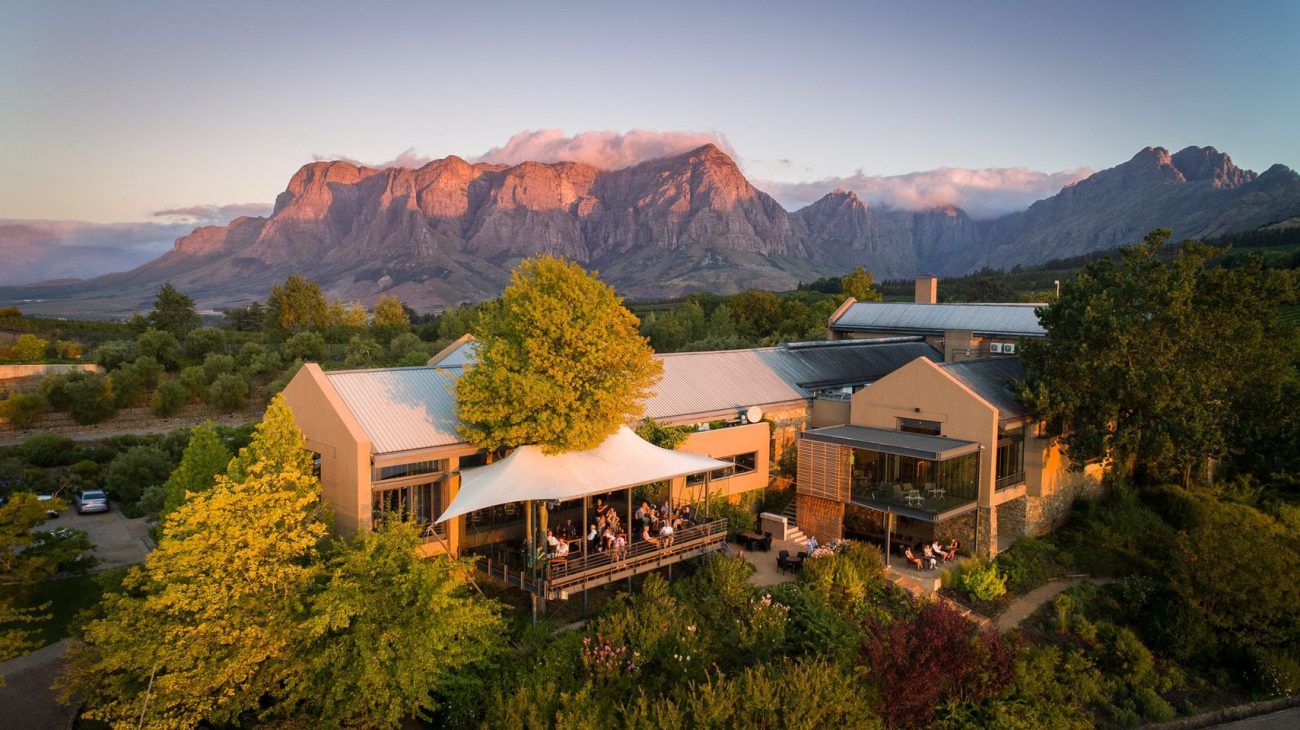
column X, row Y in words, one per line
column 580, row 573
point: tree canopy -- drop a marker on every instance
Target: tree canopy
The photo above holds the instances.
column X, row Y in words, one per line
column 1156, row 361
column 860, row 286
column 560, row 363
column 204, row 459
column 173, row 312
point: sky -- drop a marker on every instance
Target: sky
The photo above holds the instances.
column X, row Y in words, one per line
column 115, row 112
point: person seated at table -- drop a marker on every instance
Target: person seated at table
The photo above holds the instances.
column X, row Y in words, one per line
column 911, row 558
column 607, row 539
column 686, row 517
column 592, row 534
column 641, row 511
column 666, row 533
column 620, row 546
column 562, row 550
column 953, row 545
column 930, row 561
column 645, row 535
column 938, row 550
column 551, row 540
column 612, row 520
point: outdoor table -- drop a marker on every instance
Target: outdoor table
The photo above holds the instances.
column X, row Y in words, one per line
column 751, row 538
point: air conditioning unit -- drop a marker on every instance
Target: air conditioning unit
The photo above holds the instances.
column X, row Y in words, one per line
column 996, row 347
column 1009, row 348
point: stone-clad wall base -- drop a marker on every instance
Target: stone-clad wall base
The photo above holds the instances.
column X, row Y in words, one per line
column 821, row 518
column 1011, row 518
column 961, row 527
column 1044, row 514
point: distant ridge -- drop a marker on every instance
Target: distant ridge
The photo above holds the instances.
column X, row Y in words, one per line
column 451, row 230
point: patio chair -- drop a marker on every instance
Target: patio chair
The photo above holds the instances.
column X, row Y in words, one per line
column 913, row 497
column 766, row 545
column 784, row 563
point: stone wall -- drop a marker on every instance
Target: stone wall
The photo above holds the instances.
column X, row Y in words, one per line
column 961, row 527
column 1011, row 517
column 822, row 518
column 1044, row 514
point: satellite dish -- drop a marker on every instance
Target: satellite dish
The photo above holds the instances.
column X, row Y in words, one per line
column 754, row 414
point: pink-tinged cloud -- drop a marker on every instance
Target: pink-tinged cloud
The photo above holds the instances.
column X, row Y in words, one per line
column 215, row 214
column 984, row 193
column 606, row 150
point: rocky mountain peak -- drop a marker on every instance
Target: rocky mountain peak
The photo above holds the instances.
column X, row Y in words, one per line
column 1207, row 163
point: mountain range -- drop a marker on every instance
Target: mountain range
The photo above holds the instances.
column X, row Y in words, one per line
column 450, row 231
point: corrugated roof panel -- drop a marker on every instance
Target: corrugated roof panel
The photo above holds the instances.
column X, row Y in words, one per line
column 1005, row 319
column 708, row 382
column 842, row 363
column 401, row 408
column 991, row 378
column 918, row 445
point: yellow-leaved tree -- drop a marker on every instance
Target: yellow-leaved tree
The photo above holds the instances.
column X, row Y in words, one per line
column 560, row 362
column 205, row 629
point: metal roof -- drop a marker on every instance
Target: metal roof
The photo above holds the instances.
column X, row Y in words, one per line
column 991, row 378
column 463, row 351
column 838, row 363
column 722, row 381
column 401, row 408
column 1019, row 320
column 918, row 445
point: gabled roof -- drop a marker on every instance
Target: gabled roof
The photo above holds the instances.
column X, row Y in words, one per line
column 1015, row 320
column 722, row 382
column 991, row 379
column 814, row 366
column 401, row 409
column 463, row 351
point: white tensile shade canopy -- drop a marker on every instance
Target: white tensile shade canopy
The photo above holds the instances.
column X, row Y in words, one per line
column 622, row 460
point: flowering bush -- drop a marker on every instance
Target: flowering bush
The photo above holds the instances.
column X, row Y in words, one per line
column 606, row 661
column 762, row 631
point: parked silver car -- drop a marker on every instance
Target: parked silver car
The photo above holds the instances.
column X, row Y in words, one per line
column 91, row 500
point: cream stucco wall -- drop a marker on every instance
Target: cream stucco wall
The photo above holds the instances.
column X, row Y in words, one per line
column 332, row 432
column 922, row 390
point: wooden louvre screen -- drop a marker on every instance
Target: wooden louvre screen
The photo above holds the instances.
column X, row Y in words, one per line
column 823, row 470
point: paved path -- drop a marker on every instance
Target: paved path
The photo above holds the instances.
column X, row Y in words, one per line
column 765, row 572
column 118, row 539
column 26, row 701
column 1281, row 720
column 1025, row 606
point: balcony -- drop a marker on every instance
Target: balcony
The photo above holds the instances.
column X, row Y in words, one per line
column 580, row 572
column 1009, row 480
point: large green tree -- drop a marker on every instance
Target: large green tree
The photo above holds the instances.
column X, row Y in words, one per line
column 205, row 629
column 173, row 312
column 560, row 363
column 296, row 305
column 204, row 459
column 1152, row 360
column 860, row 286
column 386, row 629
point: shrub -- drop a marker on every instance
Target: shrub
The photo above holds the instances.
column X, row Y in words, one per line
column 87, row 474
column 1277, row 672
column 228, row 392
column 87, row 397
column 216, row 365
column 362, row 352
column 201, row 342
column 23, row 410
column 665, row 437
column 161, row 346
column 739, row 518
column 113, row 354
column 47, row 450
column 30, row 348
column 132, row 383
column 982, row 582
column 195, row 381
column 1027, row 564
column 406, row 347
column 134, row 471
column 170, row 397
column 305, row 346
column 67, row 349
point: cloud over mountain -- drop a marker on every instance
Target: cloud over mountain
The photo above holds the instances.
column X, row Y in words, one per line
column 214, row 214
column 606, row 150
column 983, row 193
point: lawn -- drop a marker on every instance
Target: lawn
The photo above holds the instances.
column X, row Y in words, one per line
column 66, row 597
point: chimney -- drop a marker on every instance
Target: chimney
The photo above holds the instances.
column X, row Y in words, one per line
column 927, row 290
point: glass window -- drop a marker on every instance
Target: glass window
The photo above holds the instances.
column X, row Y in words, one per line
column 418, row 503
column 399, row 471
column 916, row 425
column 1011, row 456
column 315, row 464
column 473, row 460
column 741, row 464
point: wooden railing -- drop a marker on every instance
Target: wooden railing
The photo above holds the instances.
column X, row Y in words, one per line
column 510, row 567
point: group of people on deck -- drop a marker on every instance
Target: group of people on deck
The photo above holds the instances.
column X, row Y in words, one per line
column 606, row 533
column 927, row 556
